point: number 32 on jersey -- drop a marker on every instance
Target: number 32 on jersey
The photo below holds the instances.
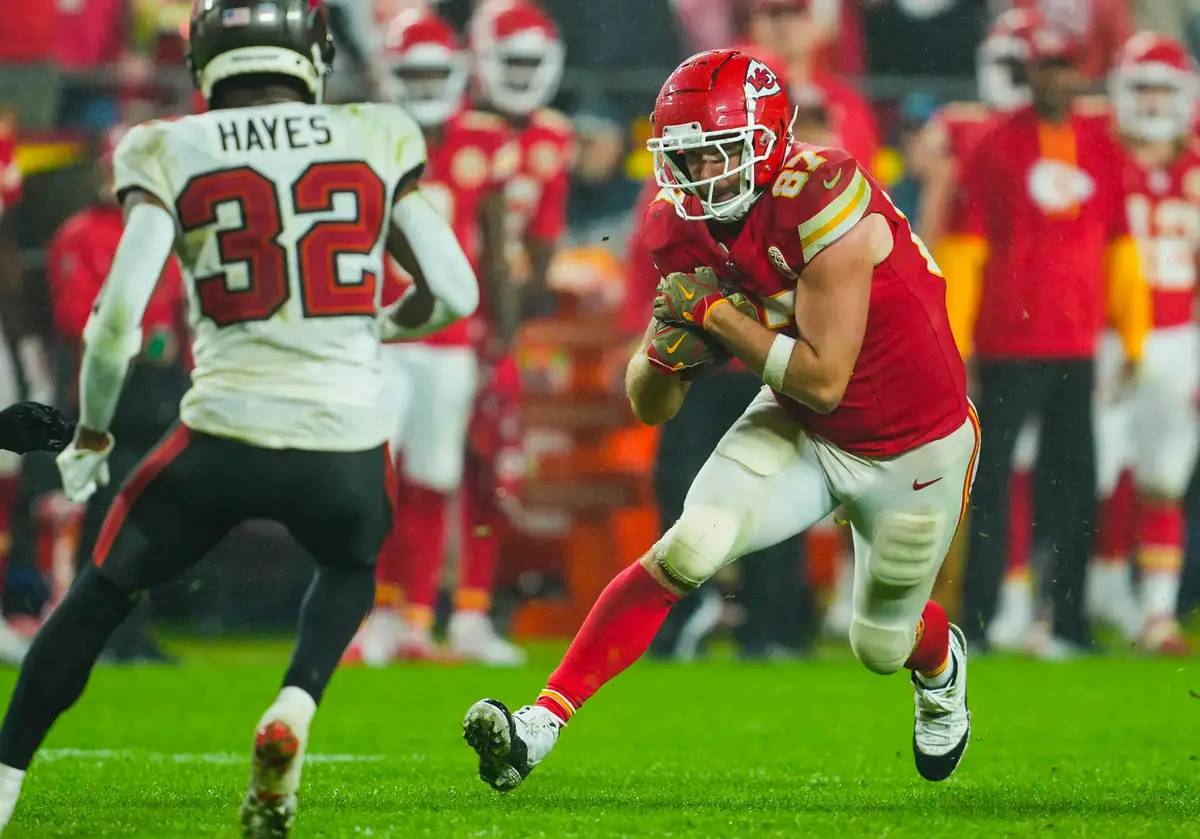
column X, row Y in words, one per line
column 325, row 288
column 799, row 169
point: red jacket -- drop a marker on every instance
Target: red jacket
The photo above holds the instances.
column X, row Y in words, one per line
column 79, row 259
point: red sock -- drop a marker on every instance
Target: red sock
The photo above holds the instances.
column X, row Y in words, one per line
column 481, row 549
column 1160, row 531
column 618, row 629
column 1020, row 523
column 389, row 569
column 932, row 649
column 423, row 540
column 8, row 495
column 1115, row 530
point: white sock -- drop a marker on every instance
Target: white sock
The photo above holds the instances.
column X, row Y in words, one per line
column 1160, row 592
column 10, row 789
column 941, row 679
column 295, row 708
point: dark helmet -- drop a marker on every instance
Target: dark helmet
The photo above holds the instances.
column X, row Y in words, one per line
column 229, row 38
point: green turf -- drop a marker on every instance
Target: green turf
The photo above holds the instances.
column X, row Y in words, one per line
column 1096, row 749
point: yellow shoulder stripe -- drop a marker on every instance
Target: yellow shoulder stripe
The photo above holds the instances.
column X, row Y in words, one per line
column 837, row 218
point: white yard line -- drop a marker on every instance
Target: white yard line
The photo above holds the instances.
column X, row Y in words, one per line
column 98, row 755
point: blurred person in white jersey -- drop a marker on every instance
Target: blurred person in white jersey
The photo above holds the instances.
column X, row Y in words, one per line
column 280, row 210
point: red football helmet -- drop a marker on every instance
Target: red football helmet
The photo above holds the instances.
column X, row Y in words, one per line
column 730, row 102
column 518, row 55
column 1154, row 86
column 428, row 66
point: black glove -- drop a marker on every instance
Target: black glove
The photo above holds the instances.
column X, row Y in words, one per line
column 34, row 427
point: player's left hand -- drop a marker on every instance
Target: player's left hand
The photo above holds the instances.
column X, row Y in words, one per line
column 83, row 466
column 34, row 427
column 686, row 299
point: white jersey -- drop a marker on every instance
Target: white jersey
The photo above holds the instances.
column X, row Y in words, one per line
column 282, row 215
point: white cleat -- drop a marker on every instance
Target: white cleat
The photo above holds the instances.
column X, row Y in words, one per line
column 10, row 790
column 1012, row 628
column 378, row 640
column 473, row 637
column 13, row 645
column 269, row 809
column 942, row 727
column 1109, row 600
column 509, row 745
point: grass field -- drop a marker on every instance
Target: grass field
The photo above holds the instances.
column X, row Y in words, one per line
column 1094, row 749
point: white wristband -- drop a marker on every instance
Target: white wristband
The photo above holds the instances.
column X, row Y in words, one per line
column 777, row 361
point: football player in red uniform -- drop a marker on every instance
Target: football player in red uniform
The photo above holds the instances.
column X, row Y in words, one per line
column 518, row 56
column 471, row 157
column 1043, row 174
column 949, row 138
column 794, row 260
column 1152, row 427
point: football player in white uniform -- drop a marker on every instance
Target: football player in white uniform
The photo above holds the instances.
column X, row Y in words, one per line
column 280, row 210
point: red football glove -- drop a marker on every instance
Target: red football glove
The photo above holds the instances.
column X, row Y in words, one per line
column 682, row 349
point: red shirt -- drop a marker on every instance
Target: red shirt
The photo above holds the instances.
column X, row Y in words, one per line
column 642, row 276
column 537, row 193
column 30, row 31
column 91, row 32
column 473, row 158
column 1048, row 201
column 77, row 263
column 908, row 387
column 1163, row 207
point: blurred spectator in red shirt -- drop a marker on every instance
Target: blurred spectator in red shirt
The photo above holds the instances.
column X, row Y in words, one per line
column 793, row 30
column 30, row 32
column 1100, row 27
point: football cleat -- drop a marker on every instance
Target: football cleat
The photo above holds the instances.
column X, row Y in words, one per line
column 269, row 809
column 472, row 637
column 942, row 726
column 1163, row 636
column 509, row 745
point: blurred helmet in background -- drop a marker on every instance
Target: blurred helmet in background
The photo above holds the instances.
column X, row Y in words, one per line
column 728, row 102
column 1154, row 86
column 1001, row 59
column 427, row 66
column 518, row 55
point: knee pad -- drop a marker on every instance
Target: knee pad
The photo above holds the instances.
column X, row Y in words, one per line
column 697, row 546
column 907, row 548
column 880, row 649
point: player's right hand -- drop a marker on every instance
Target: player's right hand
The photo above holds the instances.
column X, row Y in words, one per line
column 83, row 471
column 686, row 299
column 682, row 349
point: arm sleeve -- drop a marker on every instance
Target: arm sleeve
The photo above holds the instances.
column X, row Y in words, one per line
column 137, row 164
column 1128, row 295
column 113, row 334
column 962, row 254
column 550, row 218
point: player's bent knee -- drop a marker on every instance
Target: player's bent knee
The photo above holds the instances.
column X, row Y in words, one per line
column 879, row 649
column 907, row 548
column 697, row 546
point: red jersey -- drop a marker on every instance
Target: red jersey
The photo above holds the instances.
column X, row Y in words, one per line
column 1048, row 201
column 474, row 157
column 908, row 387
column 11, row 181
column 537, row 194
column 642, row 277
column 1163, row 207
column 77, row 264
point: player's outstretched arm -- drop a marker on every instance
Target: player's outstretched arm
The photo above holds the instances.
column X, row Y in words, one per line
column 444, row 286
column 655, row 396
column 112, row 337
column 832, row 299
